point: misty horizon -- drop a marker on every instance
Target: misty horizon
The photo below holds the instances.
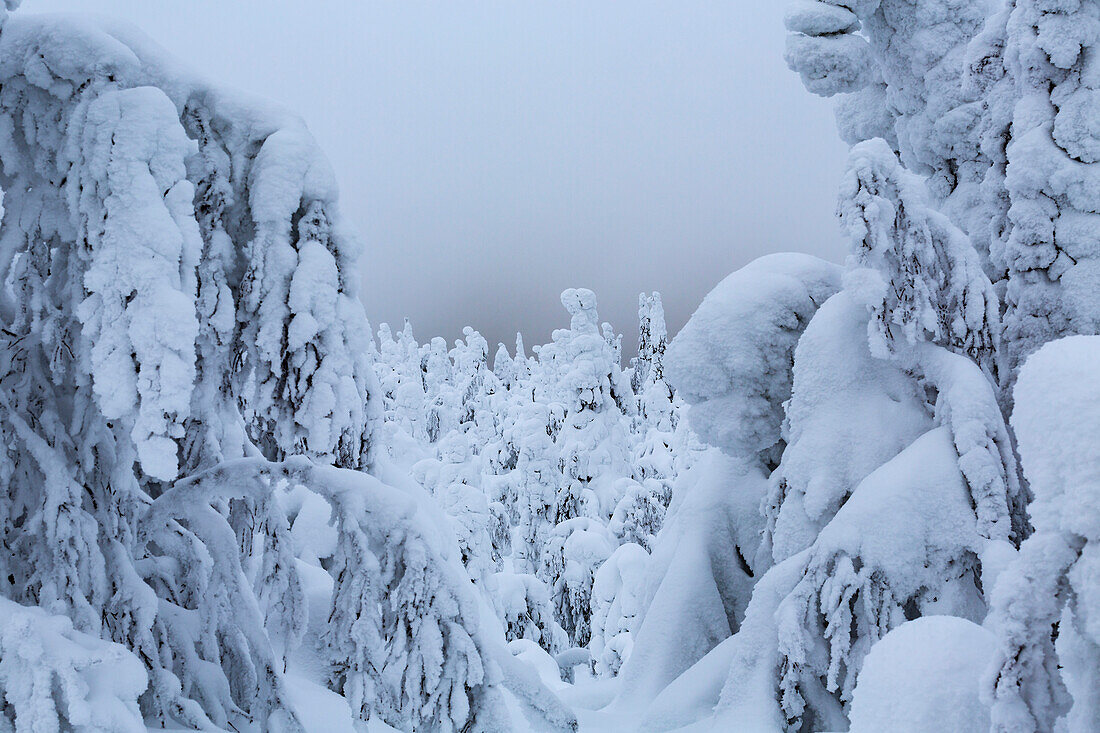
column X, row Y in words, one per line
column 494, row 154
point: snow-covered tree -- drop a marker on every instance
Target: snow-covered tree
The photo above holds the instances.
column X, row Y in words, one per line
column 652, row 342
column 899, row 68
column 892, row 475
column 617, row 589
column 440, row 411
column 454, row 481
column 587, row 377
column 504, row 367
column 729, row 362
column 523, row 604
column 574, row 551
column 640, row 512
column 535, row 480
column 948, row 279
column 182, row 340
column 850, row 592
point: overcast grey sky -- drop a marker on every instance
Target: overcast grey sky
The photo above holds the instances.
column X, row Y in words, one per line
column 494, row 153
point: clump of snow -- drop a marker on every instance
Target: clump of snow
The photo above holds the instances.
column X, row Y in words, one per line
column 923, row 677
column 53, row 677
column 823, row 50
column 1055, row 383
column 732, row 361
column 816, row 18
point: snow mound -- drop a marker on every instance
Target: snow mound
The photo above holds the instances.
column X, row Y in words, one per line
column 1057, row 419
column 923, row 677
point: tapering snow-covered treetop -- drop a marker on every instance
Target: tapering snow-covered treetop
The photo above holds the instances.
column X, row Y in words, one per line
column 914, row 269
column 582, row 360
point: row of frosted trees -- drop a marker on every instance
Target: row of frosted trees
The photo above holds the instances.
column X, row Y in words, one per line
column 555, row 470
column 888, row 563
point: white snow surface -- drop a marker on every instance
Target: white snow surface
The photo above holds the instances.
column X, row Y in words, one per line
column 53, row 677
column 923, row 677
column 731, row 362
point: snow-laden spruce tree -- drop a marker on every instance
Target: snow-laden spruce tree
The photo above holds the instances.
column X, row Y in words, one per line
column 504, row 367
column 523, row 362
column 879, row 435
column 652, row 342
column 439, row 404
column 642, row 499
column 732, row 362
column 181, row 336
column 922, row 282
column 584, row 372
column 102, row 356
column 587, row 377
column 865, row 540
column 53, row 677
column 893, row 491
column 474, row 385
column 533, row 485
column 411, row 418
column 658, row 446
column 990, row 103
column 617, row 589
column 522, row 602
column 898, row 69
column 575, row 549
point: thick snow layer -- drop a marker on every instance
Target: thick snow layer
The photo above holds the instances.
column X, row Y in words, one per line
column 698, row 582
column 55, row 678
column 842, row 396
column 732, row 361
column 694, row 694
column 923, row 677
column 911, row 512
column 1057, row 419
